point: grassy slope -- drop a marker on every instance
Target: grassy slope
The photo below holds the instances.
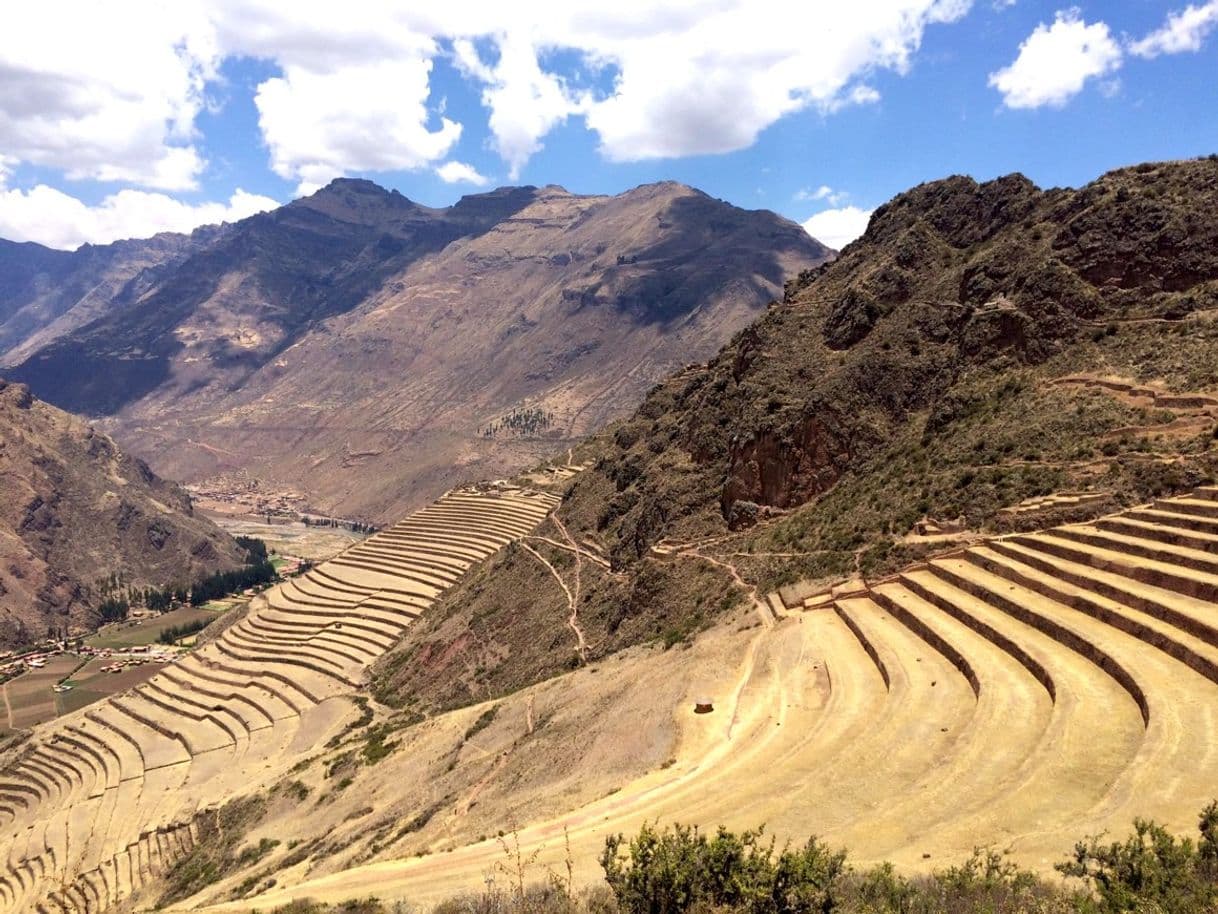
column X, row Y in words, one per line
column 911, row 378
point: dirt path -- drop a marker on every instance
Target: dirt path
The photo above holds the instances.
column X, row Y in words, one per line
column 573, row 621
column 574, row 550
column 764, row 612
column 581, row 645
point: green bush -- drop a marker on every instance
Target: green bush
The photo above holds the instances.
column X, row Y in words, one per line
column 1152, row 870
column 482, row 722
column 670, row 871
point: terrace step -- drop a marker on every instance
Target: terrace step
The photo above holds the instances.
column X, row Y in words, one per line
column 1131, row 526
column 1022, row 735
column 154, row 748
column 1148, row 571
column 231, row 651
column 1135, row 545
column 327, row 659
column 1199, row 507
column 253, row 701
column 1176, row 519
column 224, row 668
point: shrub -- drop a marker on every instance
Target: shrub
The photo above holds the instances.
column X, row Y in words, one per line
column 483, row 721
column 669, row 871
column 1152, row 870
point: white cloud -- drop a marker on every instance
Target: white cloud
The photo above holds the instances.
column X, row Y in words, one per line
column 838, row 227
column 525, row 103
column 454, row 172
column 1184, row 30
column 315, row 132
column 112, row 91
column 824, row 192
column 104, row 93
column 58, row 220
column 1056, row 61
column 819, row 193
column 745, row 65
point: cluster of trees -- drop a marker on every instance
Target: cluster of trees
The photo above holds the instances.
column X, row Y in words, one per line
column 522, row 421
column 255, row 549
column 353, row 525
column 223, row 583
column 175, row 633
column 164, row 600
column 113, row 609
column 120, row 597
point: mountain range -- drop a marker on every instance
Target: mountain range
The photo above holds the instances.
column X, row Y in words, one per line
column 371, row 352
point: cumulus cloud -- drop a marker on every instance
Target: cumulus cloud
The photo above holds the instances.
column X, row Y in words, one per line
column 116, row 96
column 1055, row 62
column 315, row 132
column 744, row 66
column 58, row 220
column 525, row 103
column 838, row 227
column 1184, row 30
column 455, row 172
column 103, row 93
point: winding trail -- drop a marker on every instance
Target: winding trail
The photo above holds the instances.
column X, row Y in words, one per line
column 581, row 646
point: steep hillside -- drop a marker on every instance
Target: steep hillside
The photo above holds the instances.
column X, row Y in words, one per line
column 46, row 293
column 208, row 322
column 980, row 345
column 74, row 510
column 371, row 352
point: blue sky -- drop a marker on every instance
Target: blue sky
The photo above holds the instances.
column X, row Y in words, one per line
column 210, row 110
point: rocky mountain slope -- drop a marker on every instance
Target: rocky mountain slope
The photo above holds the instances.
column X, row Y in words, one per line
column 46, row 293
column 980, row 345
column 74, row 510
column 371, row 352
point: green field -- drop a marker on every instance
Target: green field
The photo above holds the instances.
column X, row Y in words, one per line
column 128, row 634
column 29, row 699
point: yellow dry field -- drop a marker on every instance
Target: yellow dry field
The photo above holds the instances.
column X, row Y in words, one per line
column 1019, row 693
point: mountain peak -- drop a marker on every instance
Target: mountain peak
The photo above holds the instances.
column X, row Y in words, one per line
column 354, row 185
column 358, row 200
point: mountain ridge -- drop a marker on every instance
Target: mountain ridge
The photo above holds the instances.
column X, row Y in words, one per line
column 76, row 510
column 215, row 368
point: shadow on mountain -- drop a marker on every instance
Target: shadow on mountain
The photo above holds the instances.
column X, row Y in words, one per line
column 705, row 247
column 290, row 269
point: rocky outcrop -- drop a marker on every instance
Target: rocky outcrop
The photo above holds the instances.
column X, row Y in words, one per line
column 951, row 278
